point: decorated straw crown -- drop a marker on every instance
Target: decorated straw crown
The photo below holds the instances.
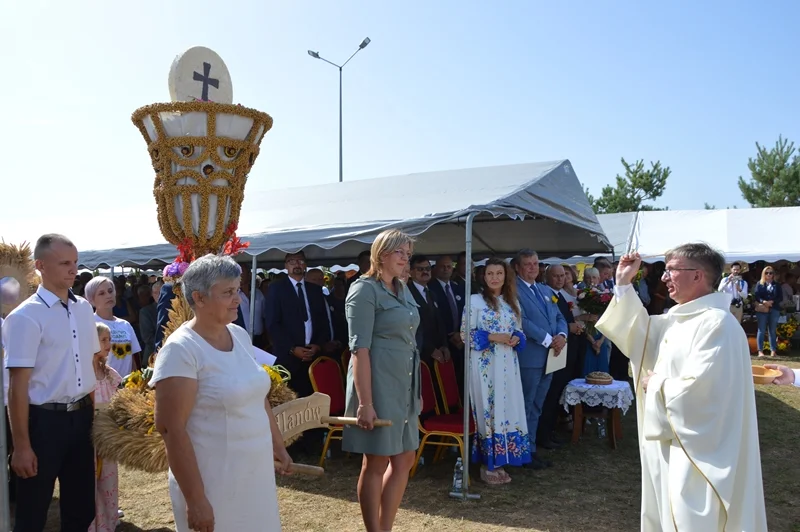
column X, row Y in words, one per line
column 202, row 147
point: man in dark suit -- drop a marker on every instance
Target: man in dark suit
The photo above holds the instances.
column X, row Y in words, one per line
column 545, row 329
column 163, row 305
column 432, row 342
column 434, row 337
column 363, row 267
column 554, row 276
column 297, row 321
column 451, row 308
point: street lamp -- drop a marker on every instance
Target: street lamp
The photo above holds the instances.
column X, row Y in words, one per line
column 316, row 55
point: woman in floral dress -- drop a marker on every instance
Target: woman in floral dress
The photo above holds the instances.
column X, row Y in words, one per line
column 106, row 498
column 496, row 396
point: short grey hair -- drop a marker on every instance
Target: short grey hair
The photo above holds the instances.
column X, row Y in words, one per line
column 591, row 272
column 205, row 272
column 46, row 241
column 706, row 258
column 91, row 288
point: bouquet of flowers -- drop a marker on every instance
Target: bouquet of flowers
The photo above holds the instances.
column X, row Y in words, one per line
column 592, row 300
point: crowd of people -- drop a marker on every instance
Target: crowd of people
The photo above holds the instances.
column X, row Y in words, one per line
column 66, row 354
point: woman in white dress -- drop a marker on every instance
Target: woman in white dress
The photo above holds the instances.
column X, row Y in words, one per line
column 498, row 405
column 212, row 410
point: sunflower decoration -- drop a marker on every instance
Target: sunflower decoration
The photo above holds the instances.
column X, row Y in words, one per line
column 786, row 330
column 121, row 350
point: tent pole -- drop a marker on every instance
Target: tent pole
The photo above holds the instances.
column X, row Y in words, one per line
column 253, row 297
column 5, row 511
column 465, row 494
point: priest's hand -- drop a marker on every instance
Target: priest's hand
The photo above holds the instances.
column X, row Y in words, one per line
column 787, row 374
column 628, row 268
column 646, row 380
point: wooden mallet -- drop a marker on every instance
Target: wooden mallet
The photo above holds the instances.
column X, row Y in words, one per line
column 304, row 469
column 338, row 420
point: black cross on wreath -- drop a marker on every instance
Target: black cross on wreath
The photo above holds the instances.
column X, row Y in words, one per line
column 207, row 80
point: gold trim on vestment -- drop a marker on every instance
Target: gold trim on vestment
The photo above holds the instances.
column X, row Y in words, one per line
column 669, row 492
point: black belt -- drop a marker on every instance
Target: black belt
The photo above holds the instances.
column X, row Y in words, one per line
column 83, row 402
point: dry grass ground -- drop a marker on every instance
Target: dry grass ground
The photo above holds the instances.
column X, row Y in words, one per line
column 591, row 488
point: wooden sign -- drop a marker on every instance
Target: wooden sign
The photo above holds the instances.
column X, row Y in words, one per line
column 302, row 414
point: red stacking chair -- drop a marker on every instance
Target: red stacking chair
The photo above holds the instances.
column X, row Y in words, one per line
column 448, row 386
column 326, row 377
column 449, row 428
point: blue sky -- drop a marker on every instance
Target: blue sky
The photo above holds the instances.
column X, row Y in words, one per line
column 443, row 85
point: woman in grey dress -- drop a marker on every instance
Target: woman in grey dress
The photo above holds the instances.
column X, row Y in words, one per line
column 382, row 318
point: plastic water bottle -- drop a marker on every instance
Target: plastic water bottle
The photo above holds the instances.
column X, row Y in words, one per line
column 458, row 475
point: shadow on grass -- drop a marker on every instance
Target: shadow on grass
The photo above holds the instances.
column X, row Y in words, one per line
column 590, row 487
column 54, row 522
column 128, row 527
column 778, row 422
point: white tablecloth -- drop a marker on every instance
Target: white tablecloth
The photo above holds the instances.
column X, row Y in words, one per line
column 618, row 394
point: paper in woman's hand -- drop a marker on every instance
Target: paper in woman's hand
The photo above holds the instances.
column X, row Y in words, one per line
column 262, row 357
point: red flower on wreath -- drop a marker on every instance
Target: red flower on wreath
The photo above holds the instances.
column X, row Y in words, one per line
column 234, row 245
column 185, row 251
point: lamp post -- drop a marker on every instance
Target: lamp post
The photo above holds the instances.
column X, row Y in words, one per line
column 316, row 55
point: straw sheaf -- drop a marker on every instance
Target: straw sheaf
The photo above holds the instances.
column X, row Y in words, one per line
column 124, row 432
column 17, row 262
column 179, row 314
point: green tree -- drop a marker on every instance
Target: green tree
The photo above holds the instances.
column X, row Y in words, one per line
column 775, row 176
column 631, row 191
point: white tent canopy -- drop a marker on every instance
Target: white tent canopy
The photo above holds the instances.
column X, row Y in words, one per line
column 744, row 235
column 741, row 234
column 542, row 205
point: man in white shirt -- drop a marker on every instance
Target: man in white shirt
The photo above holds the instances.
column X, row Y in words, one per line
column 788, row 375
column 50, row 341
column 736, row 287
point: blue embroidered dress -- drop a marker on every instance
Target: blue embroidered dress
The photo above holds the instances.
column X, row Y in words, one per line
column 498, row 405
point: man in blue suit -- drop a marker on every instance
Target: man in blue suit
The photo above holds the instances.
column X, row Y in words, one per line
column 545, row 328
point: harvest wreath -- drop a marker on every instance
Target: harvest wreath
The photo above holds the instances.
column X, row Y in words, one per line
column 201, row 152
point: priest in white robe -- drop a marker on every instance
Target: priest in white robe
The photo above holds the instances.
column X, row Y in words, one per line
column 695, row 400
